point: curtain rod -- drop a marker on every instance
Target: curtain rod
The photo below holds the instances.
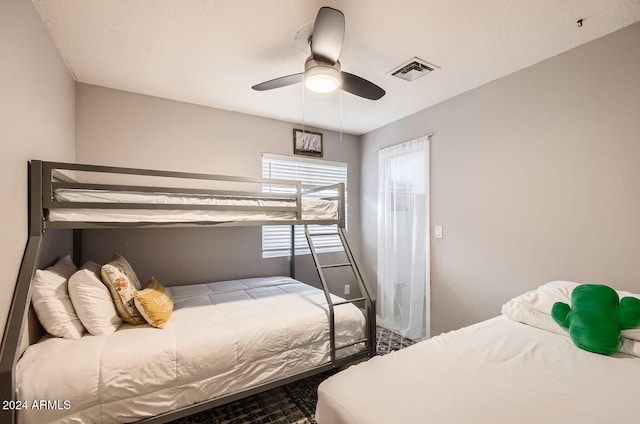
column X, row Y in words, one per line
column 397, row 144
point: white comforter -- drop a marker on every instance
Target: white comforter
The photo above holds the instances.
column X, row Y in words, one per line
column 497, row 371
column 221, row 338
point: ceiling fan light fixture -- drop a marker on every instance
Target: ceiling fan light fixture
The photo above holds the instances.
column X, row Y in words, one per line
column 322, row 69
column 322, row 83
column 322, row 78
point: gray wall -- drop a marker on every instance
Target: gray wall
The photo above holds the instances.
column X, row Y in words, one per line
column 534, row 177
column 125, row 129
column 36, row 122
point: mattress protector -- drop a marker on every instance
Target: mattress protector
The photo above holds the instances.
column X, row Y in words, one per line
column 221, row 338
column 312, row 208
column 497, row 371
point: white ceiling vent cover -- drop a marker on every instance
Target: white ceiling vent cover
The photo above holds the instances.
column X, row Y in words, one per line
column 413, row 69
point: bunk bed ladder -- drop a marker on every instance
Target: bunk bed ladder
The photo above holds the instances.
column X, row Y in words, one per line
column 370, row 331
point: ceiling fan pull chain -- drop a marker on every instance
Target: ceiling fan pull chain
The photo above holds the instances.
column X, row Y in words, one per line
column 340, row 94
column 303, row 90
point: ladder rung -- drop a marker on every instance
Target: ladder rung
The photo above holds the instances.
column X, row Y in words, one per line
column 322, row 234
column 351, row 344
column 342, row 302
column 335, row 265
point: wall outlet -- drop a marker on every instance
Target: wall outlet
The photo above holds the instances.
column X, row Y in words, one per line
column 347, row 289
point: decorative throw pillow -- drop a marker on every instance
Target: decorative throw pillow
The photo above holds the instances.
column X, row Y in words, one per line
column 92, row 301
column 51, row 301
column 596, row 317
column 122, row 283
column 154, row 303
column 93, row 267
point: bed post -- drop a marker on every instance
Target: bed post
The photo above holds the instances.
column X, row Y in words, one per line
column 77, row 246
column 10, row 348
column 292, row 260
column 342, row 221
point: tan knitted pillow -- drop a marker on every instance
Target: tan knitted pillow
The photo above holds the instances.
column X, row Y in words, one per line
column 154, row 303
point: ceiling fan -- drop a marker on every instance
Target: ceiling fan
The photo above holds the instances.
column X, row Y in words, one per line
column 322, row 73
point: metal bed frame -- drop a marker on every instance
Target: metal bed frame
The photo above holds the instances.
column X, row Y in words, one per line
column 44, row 179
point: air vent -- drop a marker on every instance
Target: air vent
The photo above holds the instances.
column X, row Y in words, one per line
column 413, row 69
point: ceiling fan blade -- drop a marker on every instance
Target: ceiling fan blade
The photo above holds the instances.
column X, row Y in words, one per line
column 360, row 86
column 279, row 82
column 328, row 35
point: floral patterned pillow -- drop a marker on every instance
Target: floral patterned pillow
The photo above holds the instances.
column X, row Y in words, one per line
column 122, row 282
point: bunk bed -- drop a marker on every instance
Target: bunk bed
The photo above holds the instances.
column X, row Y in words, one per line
column 329, row 331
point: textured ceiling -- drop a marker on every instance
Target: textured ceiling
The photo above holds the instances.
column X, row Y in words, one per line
column 210, row 52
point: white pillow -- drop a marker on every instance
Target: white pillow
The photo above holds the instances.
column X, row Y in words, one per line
column 50, row 299
column 92, row 301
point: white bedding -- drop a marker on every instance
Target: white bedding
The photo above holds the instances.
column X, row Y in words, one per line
column 312, row 208
column 497, row 371
column 222, row 337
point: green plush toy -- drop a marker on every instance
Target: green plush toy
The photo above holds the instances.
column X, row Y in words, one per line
column 597, row 317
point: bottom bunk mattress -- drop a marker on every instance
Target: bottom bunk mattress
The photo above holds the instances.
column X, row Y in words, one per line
column 497, row 371
column 222, row 338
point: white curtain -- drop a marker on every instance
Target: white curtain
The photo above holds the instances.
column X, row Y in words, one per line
column 403, row 238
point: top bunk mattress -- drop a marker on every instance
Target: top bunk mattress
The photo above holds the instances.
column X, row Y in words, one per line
column 221, row 338
column 313, row 209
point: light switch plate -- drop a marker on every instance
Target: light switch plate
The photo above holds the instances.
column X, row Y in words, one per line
column 438, row 231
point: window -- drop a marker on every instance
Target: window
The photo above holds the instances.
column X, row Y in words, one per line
column 276, row 239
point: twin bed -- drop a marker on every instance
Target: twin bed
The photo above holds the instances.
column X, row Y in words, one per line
column 224, row 341
column 519, row 367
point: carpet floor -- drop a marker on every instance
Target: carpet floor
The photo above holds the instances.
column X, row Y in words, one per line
column 293, row 403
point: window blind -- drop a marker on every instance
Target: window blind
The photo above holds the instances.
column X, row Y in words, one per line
column 276, row 240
